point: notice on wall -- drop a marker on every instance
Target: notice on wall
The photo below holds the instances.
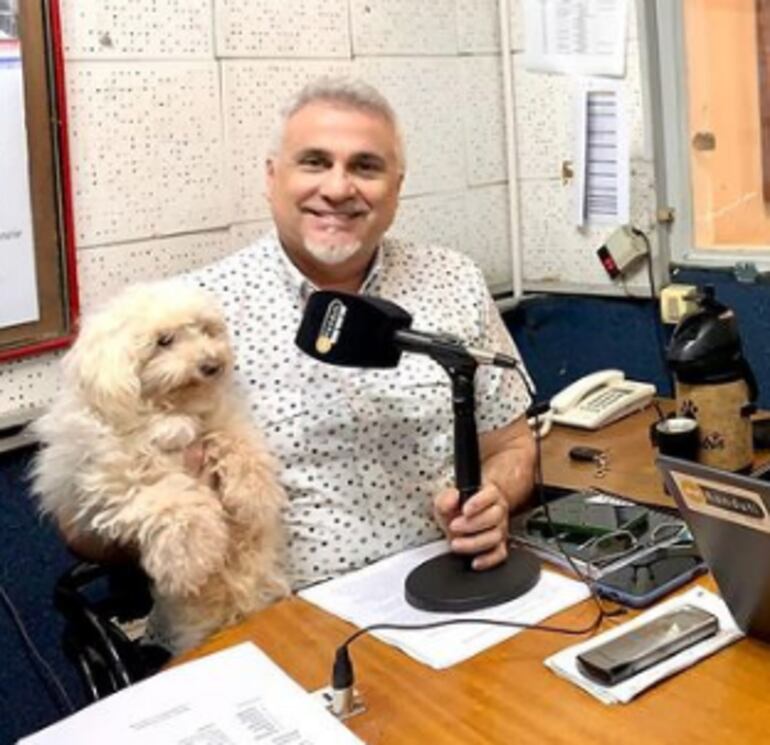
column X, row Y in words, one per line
column 602, row 154
column 18, row 283
column 576, row 37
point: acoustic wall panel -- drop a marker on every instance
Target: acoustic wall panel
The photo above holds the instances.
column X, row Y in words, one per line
column 483, row 120
column 560, row 257
column 425, row 93
column 140, row 29
column 106, row 271
column 147, row 154
column 436, row 219
column 474, row 222
column 282, row 28
column 394, row 27
column 244, row 234
column 478, row 26
column 28, row 383
column 545, row 122
column 486, row 235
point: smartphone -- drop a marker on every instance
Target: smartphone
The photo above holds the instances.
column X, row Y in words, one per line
column 647, row 578
column 583, row 516
column 641, row 648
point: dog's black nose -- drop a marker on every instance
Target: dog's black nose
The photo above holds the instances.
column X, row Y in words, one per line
column 210, row 369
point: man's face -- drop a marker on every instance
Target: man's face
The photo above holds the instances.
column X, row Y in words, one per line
column 333, row 186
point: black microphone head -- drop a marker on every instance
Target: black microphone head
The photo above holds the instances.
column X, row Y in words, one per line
column 351, row 330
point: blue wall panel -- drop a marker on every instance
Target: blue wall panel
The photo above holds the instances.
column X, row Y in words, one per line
column 564, row 337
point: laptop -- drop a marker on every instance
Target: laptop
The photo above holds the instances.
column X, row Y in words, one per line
column 729, row 516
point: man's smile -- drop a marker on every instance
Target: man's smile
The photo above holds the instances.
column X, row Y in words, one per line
column 333, row 219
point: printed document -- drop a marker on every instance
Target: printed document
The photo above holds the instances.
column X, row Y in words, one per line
column 602, row 154
column 233, row 697
column 18, row 283
column 576, row 37
column 375, row 594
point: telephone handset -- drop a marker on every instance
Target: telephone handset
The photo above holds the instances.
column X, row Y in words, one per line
column 600, row 398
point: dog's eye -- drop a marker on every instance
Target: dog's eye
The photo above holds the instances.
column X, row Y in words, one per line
column 165, row 340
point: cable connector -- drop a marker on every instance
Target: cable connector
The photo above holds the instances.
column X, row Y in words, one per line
column 342, row 683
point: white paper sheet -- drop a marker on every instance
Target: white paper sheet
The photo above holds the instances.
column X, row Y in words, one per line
column 564, row 663
column 18, row 285
column 376, row 595
column 576, row 37
column 602, row 154
column 234, row 697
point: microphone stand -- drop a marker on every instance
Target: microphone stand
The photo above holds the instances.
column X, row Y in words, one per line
column 448, row 583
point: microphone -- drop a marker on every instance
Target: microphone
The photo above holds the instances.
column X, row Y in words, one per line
column 363, row 331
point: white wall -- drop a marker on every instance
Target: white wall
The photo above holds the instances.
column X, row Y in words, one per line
column 172, row 102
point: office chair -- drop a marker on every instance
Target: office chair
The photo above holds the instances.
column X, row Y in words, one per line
column 95, row 600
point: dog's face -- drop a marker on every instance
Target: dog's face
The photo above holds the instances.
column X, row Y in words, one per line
column 161, row 346
column 183, row 361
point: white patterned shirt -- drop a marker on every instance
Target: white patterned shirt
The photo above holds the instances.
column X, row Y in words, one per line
column 362, row 452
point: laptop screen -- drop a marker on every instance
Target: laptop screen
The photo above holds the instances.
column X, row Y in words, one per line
column 729, row 516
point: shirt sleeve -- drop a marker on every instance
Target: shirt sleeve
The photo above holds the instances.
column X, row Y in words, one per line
column 501, row 395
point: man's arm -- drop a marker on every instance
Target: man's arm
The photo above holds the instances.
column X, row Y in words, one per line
column 92, row 547
column 507, row 477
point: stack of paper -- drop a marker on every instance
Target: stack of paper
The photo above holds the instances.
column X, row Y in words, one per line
column 564, row 663
column 376, row 595
column 234, row 697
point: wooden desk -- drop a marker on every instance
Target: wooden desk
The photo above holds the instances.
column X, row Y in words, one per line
column 506, row 695
column 631, row 459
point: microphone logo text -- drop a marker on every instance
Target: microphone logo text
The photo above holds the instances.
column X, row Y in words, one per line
column 331, row 326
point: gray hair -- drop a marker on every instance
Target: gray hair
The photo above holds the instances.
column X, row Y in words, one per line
column 347, row 92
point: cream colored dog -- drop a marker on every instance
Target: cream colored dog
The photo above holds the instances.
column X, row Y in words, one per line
column 146, row 385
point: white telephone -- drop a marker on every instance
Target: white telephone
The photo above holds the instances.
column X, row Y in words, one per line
column 599, row 398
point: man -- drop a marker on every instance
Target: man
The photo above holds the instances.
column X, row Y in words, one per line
column 366, row 455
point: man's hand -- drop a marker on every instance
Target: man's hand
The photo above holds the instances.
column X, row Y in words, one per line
column 507, row 475
column 480, row 528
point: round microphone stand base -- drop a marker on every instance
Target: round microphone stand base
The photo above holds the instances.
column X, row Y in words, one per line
column 448, row 584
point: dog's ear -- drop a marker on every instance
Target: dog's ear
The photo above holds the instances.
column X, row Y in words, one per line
column 103, row 364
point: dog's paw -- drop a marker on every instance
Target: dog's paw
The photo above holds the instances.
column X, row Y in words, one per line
column 174, row 432
column 186, row 552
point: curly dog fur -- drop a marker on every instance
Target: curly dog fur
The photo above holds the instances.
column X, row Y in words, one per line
column 146, row 383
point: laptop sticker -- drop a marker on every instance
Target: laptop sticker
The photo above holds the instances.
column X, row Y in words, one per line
column 723, row 501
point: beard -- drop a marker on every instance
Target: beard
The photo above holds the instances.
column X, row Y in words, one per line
column 332, row 253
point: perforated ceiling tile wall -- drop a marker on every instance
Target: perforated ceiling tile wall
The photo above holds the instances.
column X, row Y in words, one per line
column 546, row 109
column 425, row 94
column 254, row 92
column 246, row 233
column 487, row 235
column 384, row 27
column 105, row 271
column 114, row 29
column 558, row 255
column 518, row 33
column 282, row 28
column 545, row 121
column 147, row 153
column 484, row 119
column 555, row 252
column 434, row 220
column 28, row 383
column 478, row 26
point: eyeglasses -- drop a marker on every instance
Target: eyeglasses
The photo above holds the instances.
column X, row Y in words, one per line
column 605, row 549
